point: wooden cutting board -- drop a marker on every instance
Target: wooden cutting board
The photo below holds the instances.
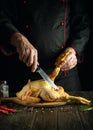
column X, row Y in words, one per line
column 29, row 103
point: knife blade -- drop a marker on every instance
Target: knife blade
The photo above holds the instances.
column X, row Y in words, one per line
column 46, row 77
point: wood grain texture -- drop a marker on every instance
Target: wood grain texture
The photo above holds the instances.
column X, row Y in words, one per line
column 63, row 117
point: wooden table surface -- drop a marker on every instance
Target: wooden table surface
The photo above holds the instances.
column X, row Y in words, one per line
column 65, row 117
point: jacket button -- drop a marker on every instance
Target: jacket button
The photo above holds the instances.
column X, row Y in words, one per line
column 62, row 23
column 62, row 46
column 24, row 1
column 27, row 26
column 62, row 1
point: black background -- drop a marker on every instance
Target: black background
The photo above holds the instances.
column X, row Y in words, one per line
column 86, row 69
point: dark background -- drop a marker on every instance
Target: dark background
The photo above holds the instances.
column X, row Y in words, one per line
column 85, row 69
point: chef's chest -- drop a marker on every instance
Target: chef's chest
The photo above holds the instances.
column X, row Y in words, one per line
column 47, row 11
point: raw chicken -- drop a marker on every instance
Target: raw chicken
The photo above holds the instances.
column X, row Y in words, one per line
column 35, row 91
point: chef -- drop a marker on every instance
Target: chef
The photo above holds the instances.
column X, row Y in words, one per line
column 37, row 32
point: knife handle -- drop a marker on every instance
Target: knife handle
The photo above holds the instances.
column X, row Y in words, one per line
column 38, row 68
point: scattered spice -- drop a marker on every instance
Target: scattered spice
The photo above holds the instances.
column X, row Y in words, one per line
column 30, row 109
column 42, row 108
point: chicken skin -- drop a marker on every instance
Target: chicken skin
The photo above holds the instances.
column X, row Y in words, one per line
column 35, row 91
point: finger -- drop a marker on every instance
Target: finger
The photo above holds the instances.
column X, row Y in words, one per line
column 30, row 58
column 35, row 62
column 68, row 57
column 72, row 62
column 68, row 66
column 34, row 66
column 26, row 55
column 21, row 53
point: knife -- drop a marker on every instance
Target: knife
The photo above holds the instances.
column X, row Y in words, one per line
column 46, row 77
